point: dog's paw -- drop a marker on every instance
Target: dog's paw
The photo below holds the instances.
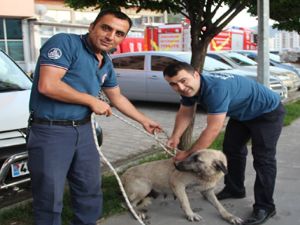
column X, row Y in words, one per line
column 233, row 219
column 143, row 215
column 193, row 217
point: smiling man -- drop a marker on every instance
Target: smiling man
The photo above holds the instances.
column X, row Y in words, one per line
column 255, row 112
column 70, row 72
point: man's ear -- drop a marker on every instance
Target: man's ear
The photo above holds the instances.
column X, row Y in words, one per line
column 196, row 74
column 91, row 27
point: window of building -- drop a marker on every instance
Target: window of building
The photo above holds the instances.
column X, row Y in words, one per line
column 11, row 38
column 58, row 16
column 85, row 17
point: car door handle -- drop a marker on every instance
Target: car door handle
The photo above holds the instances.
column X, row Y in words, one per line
column 154, row 77
column 118, row 74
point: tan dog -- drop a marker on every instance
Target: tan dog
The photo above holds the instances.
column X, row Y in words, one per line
column 204, row 168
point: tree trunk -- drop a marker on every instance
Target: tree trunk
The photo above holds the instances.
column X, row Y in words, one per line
column 198, row 57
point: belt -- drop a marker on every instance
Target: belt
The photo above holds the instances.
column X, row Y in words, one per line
column 73, row 123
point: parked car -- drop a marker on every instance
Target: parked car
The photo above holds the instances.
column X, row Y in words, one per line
column 15, row 88
column 140, row 74
column 274, row 60
column 242, row 62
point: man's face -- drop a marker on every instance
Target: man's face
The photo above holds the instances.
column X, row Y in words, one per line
column 107, row 33
column 184, row 83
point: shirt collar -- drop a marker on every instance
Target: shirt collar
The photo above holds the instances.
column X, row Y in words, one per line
column 85, row 42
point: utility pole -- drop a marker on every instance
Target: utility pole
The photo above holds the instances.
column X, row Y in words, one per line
column 263, row 12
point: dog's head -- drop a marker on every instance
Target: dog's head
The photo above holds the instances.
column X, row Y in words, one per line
column 206, row 162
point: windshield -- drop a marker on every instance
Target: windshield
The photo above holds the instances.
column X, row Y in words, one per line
column 12, row 78
column 240, row 59
column 275, row 58
column 210, row 64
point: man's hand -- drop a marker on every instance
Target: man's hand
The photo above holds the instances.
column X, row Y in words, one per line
column 181, row 155
column 173, row 142
column 151, row 126
column 101, row 108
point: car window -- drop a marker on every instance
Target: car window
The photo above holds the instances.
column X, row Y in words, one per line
column 219, row 59
column 240, row 59
column 12, row 78
column 212, row 65
column 129, row 62
column 159, row 63
column 275, row 58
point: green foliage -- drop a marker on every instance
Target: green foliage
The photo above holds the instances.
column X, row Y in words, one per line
column 284, row 12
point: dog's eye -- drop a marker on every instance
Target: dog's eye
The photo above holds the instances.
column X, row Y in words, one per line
column 195, row 158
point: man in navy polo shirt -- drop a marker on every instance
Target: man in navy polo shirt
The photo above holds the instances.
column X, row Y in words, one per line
column 70, row 71
column 255, row 112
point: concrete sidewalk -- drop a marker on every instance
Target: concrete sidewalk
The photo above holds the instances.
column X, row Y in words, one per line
column 287, row 193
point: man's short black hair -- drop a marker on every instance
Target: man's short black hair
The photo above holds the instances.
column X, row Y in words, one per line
column 116, row 13
column 172, row 69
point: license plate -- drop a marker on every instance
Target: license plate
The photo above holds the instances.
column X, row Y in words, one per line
column 19, row 169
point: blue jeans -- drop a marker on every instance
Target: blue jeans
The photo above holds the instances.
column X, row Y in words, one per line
column 57, row 153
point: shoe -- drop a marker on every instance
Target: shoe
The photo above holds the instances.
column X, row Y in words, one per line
column 259, row 216
column 226, row 193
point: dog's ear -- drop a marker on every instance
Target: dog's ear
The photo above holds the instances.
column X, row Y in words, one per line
column 219, row 165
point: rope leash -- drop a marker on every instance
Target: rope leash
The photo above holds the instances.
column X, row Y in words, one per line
column 114, row 172
column 153, row 136
column 103, row 97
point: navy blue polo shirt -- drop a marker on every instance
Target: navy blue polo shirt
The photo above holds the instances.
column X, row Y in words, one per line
column 239, row 97
column 72, row 53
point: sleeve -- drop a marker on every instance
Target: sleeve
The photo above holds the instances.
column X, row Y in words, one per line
column 57, row 51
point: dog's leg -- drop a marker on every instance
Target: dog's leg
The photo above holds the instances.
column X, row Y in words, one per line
column 211, row 197
column 179, row 191
column 137, row 192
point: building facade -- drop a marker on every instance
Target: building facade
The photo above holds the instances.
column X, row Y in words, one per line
column 24, row 29
column 285, row 40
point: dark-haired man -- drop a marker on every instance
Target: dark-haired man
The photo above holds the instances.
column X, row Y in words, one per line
column 70, row 72
column 255, row 112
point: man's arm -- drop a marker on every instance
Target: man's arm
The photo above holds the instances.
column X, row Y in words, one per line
column 209, row 134
column 126, row 107
column 183, row 119
column 214, row 126
column 51, row 85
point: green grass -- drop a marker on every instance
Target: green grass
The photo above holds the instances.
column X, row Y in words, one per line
column 292, row 112
column 22, row 215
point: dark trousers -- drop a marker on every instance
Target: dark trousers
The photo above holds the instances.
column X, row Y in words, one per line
column 57, row 153
column 264, row 132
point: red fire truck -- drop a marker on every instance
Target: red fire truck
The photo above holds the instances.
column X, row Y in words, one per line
column 234, row 38
column 176, row 37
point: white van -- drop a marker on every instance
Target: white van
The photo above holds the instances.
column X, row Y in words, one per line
column 15, row 88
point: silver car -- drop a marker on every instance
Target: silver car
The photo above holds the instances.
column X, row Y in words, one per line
column 236, row 60
column 140, row 74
